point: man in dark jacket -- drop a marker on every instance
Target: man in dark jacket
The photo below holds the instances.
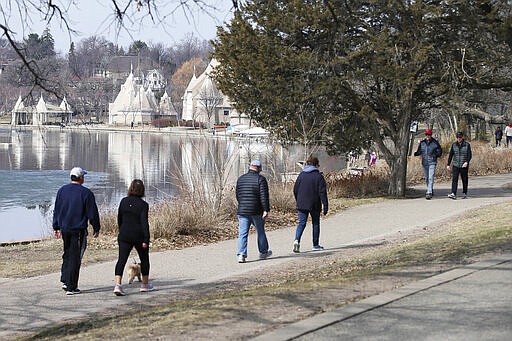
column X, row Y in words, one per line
column 310, row 191
column 253, row 207
column 74, row 207
column 498, row 133
column 460, row 153
column 430, row 150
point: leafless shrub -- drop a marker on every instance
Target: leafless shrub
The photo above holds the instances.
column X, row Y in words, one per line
column 370, row 182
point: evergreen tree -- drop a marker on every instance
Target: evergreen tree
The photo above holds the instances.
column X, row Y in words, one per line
column 352, row 72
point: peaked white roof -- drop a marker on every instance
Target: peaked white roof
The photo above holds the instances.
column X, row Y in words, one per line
column 133, row 98
column 19, row 104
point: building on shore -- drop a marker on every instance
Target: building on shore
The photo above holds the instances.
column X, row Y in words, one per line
column 136, row 103
column 42, row 113
column 204, row 102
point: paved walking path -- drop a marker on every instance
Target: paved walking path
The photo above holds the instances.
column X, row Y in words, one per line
column 468, row 303
column 39, row 302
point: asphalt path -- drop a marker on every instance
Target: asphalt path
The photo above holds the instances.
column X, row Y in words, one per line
column 37, row 302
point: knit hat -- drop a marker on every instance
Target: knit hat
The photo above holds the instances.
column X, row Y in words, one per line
column 428, row 132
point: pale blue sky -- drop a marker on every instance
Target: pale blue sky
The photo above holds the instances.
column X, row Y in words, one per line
column 96, row 17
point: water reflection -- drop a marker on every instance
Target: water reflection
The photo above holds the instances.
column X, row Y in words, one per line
column 35, row 163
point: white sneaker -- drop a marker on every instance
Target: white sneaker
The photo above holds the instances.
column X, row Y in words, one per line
column 452, row 196
column 241, row 259
column 146, row 287
column 317, row 248
column 266, row 255
column 296, row 246
column 118, row 290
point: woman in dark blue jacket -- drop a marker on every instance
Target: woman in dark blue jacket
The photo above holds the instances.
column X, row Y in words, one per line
column 310, row 191
column 132, row 219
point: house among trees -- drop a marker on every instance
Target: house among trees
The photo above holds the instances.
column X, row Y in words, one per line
column 41, row 114
column 203, row 102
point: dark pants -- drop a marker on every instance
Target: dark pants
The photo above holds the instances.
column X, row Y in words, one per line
column 303, row 219
column 509, row 140
column 124, row 252
column 75, row 243
column 455, row 179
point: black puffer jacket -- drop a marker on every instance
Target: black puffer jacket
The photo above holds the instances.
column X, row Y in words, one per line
column 252, row 194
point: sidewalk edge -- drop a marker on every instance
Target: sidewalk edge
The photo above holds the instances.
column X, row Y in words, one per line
column 322, row 320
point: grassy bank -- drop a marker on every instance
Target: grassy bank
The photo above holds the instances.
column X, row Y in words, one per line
column 293, row 293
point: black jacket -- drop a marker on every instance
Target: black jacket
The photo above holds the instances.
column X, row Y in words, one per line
column 310, row 190
column 252, row 194
column 132, row 219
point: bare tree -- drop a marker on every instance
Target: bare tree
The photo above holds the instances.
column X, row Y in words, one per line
column 125, row 15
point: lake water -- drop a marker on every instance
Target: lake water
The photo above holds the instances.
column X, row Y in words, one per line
column 35, row 163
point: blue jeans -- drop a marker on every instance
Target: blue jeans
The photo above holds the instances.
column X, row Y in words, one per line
column 303, row 219
column 244, row 225
column 429, row 172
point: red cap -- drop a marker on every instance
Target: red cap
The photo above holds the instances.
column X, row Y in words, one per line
column 428, row 132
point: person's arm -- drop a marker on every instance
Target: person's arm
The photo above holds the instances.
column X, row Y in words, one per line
column 93, row 214
column 469, row 156
column 296, row 186
column 56, row 213
column 145, row 223
column 439, row 150
column 264, row 196
column 322, row 191
column 418, row 150
column 450, row 157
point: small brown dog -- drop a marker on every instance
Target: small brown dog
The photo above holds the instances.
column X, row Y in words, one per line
column 133, row 271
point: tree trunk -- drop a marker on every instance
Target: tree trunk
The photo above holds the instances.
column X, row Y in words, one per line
column 398, row 175
column 395, row 152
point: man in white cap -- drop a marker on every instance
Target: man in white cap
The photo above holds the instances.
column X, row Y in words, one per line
column 75, row 207
column 253, row 207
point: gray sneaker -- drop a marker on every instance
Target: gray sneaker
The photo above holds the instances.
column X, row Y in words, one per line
column 266, row 254
column 317, row 248
column 452, row 196
column 296, row 246
column 464, row 196
column 241, row 258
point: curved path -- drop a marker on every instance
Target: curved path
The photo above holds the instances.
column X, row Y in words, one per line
column 37, row 302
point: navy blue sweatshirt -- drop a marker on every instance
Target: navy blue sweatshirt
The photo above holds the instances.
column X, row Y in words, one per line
column 75, row 205
column 310, row 190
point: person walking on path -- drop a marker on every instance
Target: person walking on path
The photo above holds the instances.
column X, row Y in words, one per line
column 430, row 150
column 74, row 207
column 132, row 220
column 253, row 207
column 310, row 191
column 460, row 153
column 498, row 134
column 508, row 134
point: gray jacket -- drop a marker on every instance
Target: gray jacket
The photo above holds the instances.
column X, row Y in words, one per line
column 429, row 151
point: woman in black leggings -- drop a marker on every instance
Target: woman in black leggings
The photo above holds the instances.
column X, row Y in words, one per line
column 132, row 219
